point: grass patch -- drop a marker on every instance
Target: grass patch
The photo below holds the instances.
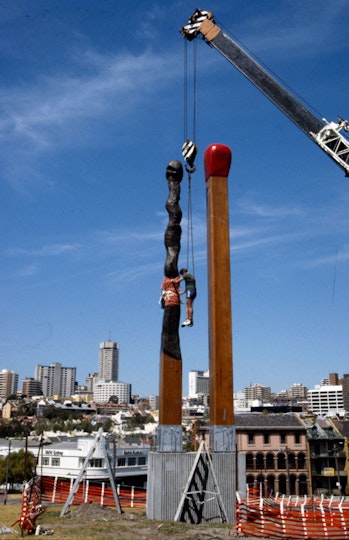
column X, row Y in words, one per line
column 92, row 522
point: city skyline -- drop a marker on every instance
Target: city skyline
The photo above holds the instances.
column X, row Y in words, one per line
column 92, row 102
column 332, row 378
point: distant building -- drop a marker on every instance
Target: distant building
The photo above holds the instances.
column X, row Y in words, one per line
column 65, row 460
column 275, row 451
column 31, row 387
column 82, row 394
column 8, row 383
column 56, row 380
column 104, row 390
column 108, row 366
column 326, row 399
column 328, row 451
column 345, row 386
column 297, row 391
column 333, row 379
column 199, row 383
column 257, row 392
column 90, row 381
column 6, row 411
column 154, row 402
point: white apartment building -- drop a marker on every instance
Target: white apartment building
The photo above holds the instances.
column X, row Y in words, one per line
column 56, row 380
column 108, row 366
column 326, row 399
column 104, row 390
column 8, row 383
column 199, row 382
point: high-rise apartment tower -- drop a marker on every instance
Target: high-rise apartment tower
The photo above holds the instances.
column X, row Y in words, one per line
column 8, row 383
column 56, row 380
column 108, row 367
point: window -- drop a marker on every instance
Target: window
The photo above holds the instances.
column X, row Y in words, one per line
column 121, row 462
column 259, row 461
column 297, row 438
column 269, row 462
column 46, row 461
column 249, row 461
column 266, row 438
column 96, row 463
column 282, row 438
column 55, row 462
column 142, row 461
column 131, row 461
column 250, row 438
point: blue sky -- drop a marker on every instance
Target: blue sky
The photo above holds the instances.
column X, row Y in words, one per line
column 91, row 113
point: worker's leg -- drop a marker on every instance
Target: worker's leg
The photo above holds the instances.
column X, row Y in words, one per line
column 189, row 309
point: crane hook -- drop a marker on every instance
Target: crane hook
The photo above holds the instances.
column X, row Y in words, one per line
column 189, row 151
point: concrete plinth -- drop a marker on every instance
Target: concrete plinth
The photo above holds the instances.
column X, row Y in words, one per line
column 169, row 438
column 222, row 438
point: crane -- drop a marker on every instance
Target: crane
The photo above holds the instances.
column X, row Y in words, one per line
column 327, row 135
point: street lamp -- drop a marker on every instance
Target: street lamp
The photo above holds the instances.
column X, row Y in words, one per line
column 7, row 465
column 335, row 452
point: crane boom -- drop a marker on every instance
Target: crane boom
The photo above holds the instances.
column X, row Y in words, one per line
column 326, row 134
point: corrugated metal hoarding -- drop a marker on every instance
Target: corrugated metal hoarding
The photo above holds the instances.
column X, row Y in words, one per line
column 168, row 476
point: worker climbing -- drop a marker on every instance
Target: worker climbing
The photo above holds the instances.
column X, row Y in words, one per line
column 170, row 292
column 186, row 276
column 190, row 294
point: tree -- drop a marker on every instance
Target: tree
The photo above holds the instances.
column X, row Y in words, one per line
column 13, row 428
column 27, row 409
column 108, row 425
column 86, row 426
column 21, row 467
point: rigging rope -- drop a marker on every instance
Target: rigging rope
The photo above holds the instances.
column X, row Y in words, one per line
column 186, row 84
column 189, row 149
column 190, row 236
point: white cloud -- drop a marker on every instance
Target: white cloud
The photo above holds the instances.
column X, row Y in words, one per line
column 51, row 250
column 104, row 85
column 29, row 270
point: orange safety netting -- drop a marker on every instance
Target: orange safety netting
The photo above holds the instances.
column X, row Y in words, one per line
column 57, row 490
column 31, row 505
column 296, row 519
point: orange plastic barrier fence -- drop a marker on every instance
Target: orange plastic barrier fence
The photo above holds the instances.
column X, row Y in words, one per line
column 56, row 490
column 295, row 519
column 31, row 505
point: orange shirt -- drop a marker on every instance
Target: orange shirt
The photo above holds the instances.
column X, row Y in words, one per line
column 171, row 292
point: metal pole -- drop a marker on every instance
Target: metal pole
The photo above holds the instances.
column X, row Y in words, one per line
column 8, row 464
column 335, row 450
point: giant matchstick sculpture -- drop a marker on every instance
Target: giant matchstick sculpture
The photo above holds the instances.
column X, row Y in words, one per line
column 217, row 160
column 209, row 488
column 170, row 399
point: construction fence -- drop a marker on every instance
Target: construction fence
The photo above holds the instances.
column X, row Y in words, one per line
column 292, row 518
column 56, row 491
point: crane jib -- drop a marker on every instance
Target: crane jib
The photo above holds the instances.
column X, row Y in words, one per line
column 326, row 134
column 287, row 103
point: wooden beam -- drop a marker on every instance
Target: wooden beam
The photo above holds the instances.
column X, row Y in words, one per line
column 217, row 161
